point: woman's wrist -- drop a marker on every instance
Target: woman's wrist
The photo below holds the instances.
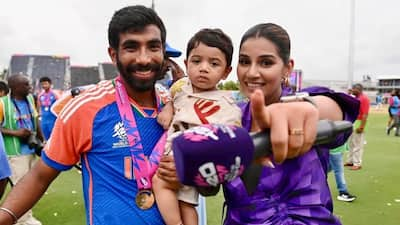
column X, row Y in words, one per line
column 298, row 97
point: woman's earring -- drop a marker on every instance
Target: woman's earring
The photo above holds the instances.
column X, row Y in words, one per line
column 285, row 81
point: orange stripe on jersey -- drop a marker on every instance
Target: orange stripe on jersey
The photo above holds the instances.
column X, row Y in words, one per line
column 128, row 167
column 95, row 90
column 85, row 98
column 90, row 191
column 72, row 132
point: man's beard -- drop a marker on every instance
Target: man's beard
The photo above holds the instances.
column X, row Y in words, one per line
column 140, row 85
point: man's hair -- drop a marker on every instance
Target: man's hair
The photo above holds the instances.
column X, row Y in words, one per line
column 133, row 19
column 358, row 86
column 4, row 87
column 43, row 79
column 213, row 38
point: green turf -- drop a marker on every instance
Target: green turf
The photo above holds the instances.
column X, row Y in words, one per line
column 377, row 187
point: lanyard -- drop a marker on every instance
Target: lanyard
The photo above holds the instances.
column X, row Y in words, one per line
column 45, row 99
column 21, row 120
column 143, row 167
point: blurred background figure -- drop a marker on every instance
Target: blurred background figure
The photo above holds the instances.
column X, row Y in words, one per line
column 5, row 171
column 3, row 88
column 172, row 71
column 19, row 119
column 394, row 113
column 378, row 101
column 336, row 164
column 46, row 99
column 356, row 140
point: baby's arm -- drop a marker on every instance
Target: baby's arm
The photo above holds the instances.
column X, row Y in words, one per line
column 164, row 118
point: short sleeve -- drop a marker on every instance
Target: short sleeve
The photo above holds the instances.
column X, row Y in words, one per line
column 71, row 136
column 348, row 104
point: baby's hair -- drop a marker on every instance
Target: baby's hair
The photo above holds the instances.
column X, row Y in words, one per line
column 213, row 38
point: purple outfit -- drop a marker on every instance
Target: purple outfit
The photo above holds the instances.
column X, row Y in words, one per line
column 295, row 192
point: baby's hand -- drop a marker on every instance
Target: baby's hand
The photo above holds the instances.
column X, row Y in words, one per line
column 164, row 119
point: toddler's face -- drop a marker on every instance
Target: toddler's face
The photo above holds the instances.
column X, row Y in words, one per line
column 206, row 66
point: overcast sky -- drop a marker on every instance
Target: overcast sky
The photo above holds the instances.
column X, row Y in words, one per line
column 319, row 30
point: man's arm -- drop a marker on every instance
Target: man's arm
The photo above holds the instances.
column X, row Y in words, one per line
column 21, row 133
column 364, row 115
column 27, row 191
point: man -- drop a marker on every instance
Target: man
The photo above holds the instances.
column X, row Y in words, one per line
column 94, row 127
column 171, row 70
column 3, row 88
column 5, row 171
column 336, row 164
column 19, row 118
column 45, row 100
column 356, row 140
column 394, row 111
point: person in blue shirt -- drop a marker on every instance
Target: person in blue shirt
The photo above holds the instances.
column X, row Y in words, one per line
column 45, row 100
column 5, row 171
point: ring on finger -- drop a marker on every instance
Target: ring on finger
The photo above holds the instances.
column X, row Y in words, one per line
column 296, row 131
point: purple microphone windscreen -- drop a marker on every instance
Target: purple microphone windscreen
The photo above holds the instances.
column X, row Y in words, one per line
column 208, row 155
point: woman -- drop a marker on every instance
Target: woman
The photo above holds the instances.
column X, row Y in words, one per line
column 295, row 191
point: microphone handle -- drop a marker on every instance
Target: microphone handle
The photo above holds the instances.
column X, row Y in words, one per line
column 327, row 131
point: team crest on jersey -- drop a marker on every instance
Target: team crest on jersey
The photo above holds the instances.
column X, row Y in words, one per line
column 120, row 133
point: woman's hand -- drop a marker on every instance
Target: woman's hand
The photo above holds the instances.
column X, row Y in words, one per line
column 293, row 125
column 167, row 171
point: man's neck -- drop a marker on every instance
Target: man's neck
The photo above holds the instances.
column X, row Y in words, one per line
column 18, row 97
column 144, row 99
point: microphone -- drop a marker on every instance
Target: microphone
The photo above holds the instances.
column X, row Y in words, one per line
column 211, row 154
column 327, row 131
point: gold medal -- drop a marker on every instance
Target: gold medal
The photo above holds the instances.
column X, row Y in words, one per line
column 144, row 199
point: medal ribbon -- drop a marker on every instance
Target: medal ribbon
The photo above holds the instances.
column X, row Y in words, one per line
column 143, row 168
column 46, row 99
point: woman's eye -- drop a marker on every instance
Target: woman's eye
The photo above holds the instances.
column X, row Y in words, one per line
column 244, row 62
column 266, row 63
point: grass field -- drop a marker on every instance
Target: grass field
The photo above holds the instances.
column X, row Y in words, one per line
column 377, row 187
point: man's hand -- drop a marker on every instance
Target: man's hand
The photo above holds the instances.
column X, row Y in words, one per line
column 167, row 171
column 359, row 130
column 22, row 133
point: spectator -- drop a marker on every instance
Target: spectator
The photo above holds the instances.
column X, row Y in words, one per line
column 336, row 164
column 394, row 112
column 378, row 101
column 19, row 120
column 3, row 88
column 356, row 140
column 5, row 171
column 45, row 100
